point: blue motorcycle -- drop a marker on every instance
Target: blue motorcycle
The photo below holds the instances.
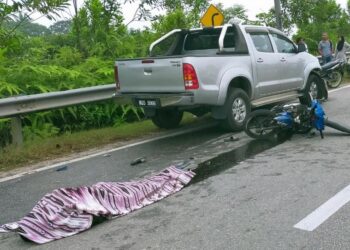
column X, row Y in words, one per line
column 289, row 119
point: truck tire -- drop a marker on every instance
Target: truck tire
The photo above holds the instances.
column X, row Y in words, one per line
column 315, row 89
column 238, row 108
column 167, row 118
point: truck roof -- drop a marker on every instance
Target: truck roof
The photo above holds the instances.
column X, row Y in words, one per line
column 262, row 28
column 246, row 27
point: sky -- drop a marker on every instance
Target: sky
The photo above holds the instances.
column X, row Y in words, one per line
column 253, row 7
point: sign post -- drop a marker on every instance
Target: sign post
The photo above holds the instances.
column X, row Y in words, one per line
column 278, row 14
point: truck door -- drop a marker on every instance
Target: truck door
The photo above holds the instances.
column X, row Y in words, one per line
column 292, row 63
column 267, row 63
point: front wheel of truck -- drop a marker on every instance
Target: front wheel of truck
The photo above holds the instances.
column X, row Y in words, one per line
column 167, row 118
column 315, row 90
column 237, row 107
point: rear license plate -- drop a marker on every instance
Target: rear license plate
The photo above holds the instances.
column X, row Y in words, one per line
column 147, row 102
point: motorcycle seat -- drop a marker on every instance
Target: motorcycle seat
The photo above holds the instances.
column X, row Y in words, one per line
column 330, row 65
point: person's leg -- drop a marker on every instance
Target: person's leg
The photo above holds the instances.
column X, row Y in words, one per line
column 324, row 60
column 328, row 59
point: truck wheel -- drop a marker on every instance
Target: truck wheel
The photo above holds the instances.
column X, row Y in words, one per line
column 167, row 118
column 315, row 89
column 237, row 109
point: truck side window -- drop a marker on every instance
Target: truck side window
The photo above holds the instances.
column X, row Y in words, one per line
column 284, row 45
column 167, row 47
column 262, row 42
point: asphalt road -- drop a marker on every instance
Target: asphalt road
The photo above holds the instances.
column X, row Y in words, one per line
column 242, row 203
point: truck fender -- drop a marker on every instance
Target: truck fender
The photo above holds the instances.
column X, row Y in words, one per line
column 228, row 77
column 311, row 67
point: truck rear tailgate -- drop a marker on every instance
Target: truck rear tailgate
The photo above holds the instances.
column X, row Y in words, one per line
column 163, row 75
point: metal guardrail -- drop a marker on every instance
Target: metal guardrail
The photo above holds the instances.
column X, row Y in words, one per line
column 15, row 106
column 18, row 105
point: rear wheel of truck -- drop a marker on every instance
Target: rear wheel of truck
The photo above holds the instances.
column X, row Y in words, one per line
column 167, row 118
column 238, row 108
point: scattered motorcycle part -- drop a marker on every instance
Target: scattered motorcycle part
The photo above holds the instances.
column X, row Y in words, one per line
column 63, row 168
column 231, row 139
column 138, row 161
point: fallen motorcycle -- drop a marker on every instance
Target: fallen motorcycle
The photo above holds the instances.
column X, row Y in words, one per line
column 333, row 73
column 289, row 119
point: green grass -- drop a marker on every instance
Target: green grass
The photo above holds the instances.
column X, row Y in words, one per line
column 346, row 78
column 40, row 150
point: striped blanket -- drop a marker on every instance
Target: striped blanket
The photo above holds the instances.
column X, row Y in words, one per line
column 68, row 211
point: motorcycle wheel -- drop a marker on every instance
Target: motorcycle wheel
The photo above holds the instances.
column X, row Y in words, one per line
column 335, row 79
column 260, row 124
column 303, row 130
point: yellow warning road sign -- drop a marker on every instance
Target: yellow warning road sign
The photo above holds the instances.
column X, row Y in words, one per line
column 212, row 17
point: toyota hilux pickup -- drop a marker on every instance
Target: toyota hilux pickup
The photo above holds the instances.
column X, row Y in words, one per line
column 226, row 70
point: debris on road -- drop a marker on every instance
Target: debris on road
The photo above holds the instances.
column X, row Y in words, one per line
column 231, row 139
column 68, row 211
column 311, row 134
column 63, row 168
column 138, row 161
column 106, row 155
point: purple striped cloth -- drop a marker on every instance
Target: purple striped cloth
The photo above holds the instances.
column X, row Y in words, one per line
column 68, row 211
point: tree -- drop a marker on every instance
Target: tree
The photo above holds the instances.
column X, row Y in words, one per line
column 192, row 8
column 237, row 11
column 98, row 27
column 61, row 27
column 175, row 20
column 267, row 18
column 25, row 26
column 314, row 17
column 11, row 10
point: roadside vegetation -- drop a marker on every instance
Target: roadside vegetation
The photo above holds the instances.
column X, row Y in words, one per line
column 80, row 52
column 69, row 144
column 75, row 53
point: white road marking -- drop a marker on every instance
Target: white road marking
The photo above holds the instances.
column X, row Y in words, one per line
column 322, row 213
column 326, row 210
column 338, row 89
column 186, row 131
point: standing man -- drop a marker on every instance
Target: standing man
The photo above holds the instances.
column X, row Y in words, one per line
column 325, row 48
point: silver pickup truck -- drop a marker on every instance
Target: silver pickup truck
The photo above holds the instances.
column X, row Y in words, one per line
column 225, row 70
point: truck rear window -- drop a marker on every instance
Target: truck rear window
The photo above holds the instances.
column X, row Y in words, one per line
column 209, row 39
column 200, row 42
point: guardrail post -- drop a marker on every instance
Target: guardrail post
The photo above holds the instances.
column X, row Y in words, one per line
column 16, row 131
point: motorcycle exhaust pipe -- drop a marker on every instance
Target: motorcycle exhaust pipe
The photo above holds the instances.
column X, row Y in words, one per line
column 336, row 126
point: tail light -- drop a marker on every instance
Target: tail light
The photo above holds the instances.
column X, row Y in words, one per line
column 116, row 77
column 190, row 77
